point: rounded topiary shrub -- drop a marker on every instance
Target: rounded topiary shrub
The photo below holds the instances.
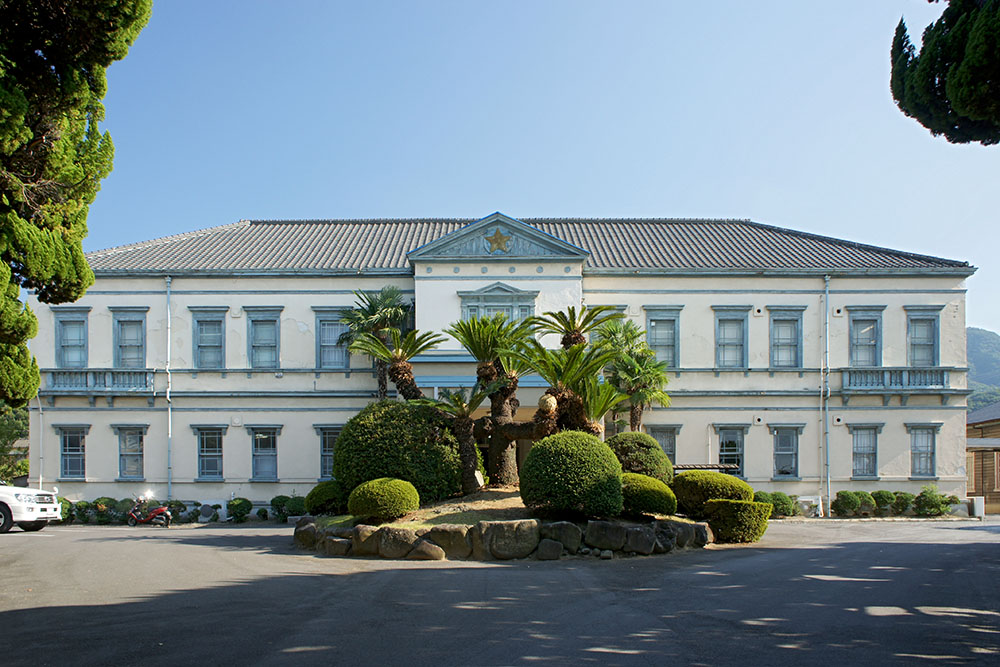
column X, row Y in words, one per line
column 902, row 502
column 278, row 506
column 642, row 494
column 572, row 473
column 737, row 520
column 327, row 497
column 238, row 508
column 868, row 505
column 783, row 504
column 400, row 440
column 696, row 487
column 384, row 499
column 883, row 501
column 296, row 506
column 640, row 453
column 845, row 504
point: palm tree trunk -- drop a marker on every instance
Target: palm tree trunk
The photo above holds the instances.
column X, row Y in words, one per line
column 382, row 373
column 635, row 417
column 465, row 433
column 401, row 374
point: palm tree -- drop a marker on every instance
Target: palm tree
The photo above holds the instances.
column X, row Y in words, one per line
column 627, row 338
column 643, row 379
column 374, row 312
column 574, row 326
column 397, row 354
column 598, row 399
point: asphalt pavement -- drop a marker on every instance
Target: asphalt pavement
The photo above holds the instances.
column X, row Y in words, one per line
column 837, row 592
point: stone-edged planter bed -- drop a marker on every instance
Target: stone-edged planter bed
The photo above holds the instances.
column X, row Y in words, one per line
column 504, row 540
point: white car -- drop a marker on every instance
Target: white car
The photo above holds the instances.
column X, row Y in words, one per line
column 30, row 509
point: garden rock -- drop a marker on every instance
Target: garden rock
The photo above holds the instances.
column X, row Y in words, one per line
column 303, row 520
column 305, row 535
column 480, row 542
column 666, row 538
column 607, row 554
column 341, row 531
column 702, row 535
column 605, row 535
column 453, row 538
column 549, row 550
column 334, row 546
column 365, row 541
column 511, row 539
column 640, row 540
column 395, row 542
column 683, row 532
column 426, row 550
column 569, row 534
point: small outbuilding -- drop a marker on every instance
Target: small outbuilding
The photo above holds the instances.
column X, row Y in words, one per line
column 982, row 455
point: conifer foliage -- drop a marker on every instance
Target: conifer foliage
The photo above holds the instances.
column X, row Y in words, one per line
column 53, row 156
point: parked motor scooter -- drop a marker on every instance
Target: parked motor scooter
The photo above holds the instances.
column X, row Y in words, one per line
column 140, row 513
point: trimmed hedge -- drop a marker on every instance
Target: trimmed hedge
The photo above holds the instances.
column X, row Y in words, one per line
column 403, row 441
column 694, row 488
column 385, row 499
column 868, row 504
column 845, row 504
column 883, row 501
column 572, row 472
column 642, row 494
column 902, row 502
column 640, row 453
column 238, row 509
column 327, row 498
column 781, row 502
column 737, row 520
column 296, row 506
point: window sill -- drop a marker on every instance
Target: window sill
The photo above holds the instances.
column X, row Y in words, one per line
column 923, row 478
column 865, row 478
column 71, row 479
column 786, row 478
column 130, row 479
column 210, row 479
column 264, row 480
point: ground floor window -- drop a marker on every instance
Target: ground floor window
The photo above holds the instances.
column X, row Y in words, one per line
column 72, row 447
column 864, row 450
column 327, row 440
column 667, row 437
column 922, row 449
column 265, row 453
column 786, row 450
column 130, row 451
column 731, row 439
column 210, row 453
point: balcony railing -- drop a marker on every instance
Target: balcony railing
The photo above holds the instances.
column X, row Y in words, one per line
column 100, row 379
column 894, row 378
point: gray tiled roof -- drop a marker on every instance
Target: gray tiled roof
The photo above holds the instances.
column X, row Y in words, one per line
column 615, row 244
column 987, row 413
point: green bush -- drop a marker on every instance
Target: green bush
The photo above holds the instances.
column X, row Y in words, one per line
column 902, row 502
column 327, row 498
column 845, row 504
column 762, row 497
column 868, row 504
column 383, row 499
column 238, row 509
column 66, row 510
column 642, row 494
column 640, row 453
column 403, row 441
column 278, row 504
column 883, row 501
column 696, row 487
column 931, row 502
column 262, row 514
column 177, row 510
column 737, row 520
column 82, row 511
column 296, row 506
column 572, row 472
column 783, row 504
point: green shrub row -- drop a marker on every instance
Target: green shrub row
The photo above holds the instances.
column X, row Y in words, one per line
column 930, row 502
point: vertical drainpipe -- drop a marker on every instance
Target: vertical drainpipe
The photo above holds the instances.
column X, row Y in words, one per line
column 170, row 413
column 41, row 438
column 826, row 385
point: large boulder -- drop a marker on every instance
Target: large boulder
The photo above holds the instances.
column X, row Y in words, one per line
column 702, row 535
column 640, row 540
column 666, row 537
column 683, row 531
column 425, row 550
column 305, row 535
column 334, row 546
column 511, row 539
column 569, row 534
column 395, row 542
column 365, row 541
column 549, row 550
column 453, row 538
column 605, row 535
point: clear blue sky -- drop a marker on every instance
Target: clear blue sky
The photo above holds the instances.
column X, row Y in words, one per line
column 775, row 111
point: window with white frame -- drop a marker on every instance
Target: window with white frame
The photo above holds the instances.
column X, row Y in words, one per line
column 786, row 336
column 731, row 336
column 922, row 335
column 866, row 335
column 72, row 450
column 71, row 336
column 130, row 449
column 864, row 449
column 731, row 445
column 263, row 337
column 786, row 449
column 264, row 441
column 209, row 451
column 330, row 352
column 209, row 336
column 129, row 334
column 666, row 436
column 328, row 435
column 662, row 333
column 498, row 298
column 922, row 449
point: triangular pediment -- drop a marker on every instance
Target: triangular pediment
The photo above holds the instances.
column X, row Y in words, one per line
column 499, row 289
column 497, row 236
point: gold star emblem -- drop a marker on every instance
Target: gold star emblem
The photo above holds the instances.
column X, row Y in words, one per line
column 498, row 241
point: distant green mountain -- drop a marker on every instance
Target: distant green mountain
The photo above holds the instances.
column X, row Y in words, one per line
column 984, row 366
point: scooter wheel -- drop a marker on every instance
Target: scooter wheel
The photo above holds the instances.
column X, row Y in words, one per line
column 131, row 521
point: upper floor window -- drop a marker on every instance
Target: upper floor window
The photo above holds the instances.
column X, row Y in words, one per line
column 263, row 336
column 129, row 334
column 866, row 335
column 328, row 435
column 731, row 441
column 130, row 446
column 209, row 450
column 923, row 447
column 265, row 452
column 922, row 335
column 498, row 298
column 330, row 353
column 71, row 336
column 731, row 336
column 864, row 449
column 662, row 333
column 209, row 336
column 72, row 450
column 786, row 336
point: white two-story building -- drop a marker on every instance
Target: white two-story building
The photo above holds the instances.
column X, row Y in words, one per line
column 206, row 365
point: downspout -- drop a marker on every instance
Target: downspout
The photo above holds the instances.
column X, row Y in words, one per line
column 826, row 388
column 170, row 413
column 41, row 437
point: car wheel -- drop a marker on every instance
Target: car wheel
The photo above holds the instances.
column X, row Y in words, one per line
column 6, row 518
column 31, row 526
